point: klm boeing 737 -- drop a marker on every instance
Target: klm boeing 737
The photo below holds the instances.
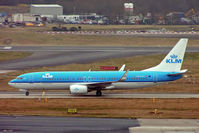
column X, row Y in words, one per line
column 82, row 82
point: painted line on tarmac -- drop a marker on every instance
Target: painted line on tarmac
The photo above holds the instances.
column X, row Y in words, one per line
column 163, row 129
column 39, row 95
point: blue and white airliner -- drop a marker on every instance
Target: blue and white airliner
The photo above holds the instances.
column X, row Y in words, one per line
column 82, row 82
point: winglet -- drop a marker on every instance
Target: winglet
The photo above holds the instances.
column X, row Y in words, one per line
column 124, row 76
column 122, row 68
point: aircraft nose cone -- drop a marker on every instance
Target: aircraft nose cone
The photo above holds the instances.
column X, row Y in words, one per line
column 11, row 83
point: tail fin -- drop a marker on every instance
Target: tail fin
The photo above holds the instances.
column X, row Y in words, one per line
column 173, row 61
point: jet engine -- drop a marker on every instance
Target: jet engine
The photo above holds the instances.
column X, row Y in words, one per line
column 78, row 89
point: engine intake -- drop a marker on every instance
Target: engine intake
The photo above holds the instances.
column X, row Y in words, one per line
column 78, row 89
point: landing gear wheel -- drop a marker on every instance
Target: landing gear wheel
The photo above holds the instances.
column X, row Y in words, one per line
column 27, row 93
column 98, row 93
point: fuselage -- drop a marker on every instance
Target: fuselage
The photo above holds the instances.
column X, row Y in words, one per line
column 64, row 79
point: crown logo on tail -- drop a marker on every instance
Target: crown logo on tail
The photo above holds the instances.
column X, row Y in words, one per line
column 174, row 56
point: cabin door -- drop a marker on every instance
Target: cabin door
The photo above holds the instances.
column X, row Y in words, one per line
column 31, row 81
column 155, row 78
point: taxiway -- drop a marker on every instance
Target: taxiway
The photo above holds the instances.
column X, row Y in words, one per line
column 44, row 124
column 62, row 55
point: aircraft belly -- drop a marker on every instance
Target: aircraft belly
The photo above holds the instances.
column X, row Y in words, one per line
column 118, row 85
column 23, row 85
column 42, row 85
column 51, row 85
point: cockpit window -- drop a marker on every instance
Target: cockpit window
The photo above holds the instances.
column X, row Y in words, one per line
column 19, row 78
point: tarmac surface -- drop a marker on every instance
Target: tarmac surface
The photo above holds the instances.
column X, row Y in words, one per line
column 92, row 95
column 44, row 124
column 166, row 126
column 62, row 55
column 30, row 124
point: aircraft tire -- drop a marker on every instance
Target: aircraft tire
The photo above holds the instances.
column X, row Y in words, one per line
column 27, row 93
column 98, row 93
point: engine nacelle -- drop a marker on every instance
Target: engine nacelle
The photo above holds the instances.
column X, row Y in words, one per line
column 78, row 89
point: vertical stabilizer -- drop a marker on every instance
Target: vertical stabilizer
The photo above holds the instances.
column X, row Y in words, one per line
column 173, row 61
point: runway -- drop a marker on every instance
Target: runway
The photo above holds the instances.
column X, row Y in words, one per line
column 62, row 55
column 92, row 95
column 44, row 124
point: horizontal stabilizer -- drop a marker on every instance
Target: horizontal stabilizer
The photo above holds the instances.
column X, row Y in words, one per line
column 179, row 73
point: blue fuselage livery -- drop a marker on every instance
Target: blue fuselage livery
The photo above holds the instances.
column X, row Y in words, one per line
column 93, row 76
column 82, row 82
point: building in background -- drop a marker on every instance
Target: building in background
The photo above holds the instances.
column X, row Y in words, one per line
column 25, row 17
column 128, row 9
column 90, row 18
column 53, row 10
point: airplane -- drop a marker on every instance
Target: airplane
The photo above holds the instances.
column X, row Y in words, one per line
column 82, row 82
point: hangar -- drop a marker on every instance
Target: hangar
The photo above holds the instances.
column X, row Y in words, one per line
column 48, row 9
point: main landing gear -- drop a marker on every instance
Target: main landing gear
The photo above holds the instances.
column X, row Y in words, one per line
column 98, row 93
column 27, row 93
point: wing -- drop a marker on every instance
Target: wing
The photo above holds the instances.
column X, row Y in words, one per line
column 105, row 84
